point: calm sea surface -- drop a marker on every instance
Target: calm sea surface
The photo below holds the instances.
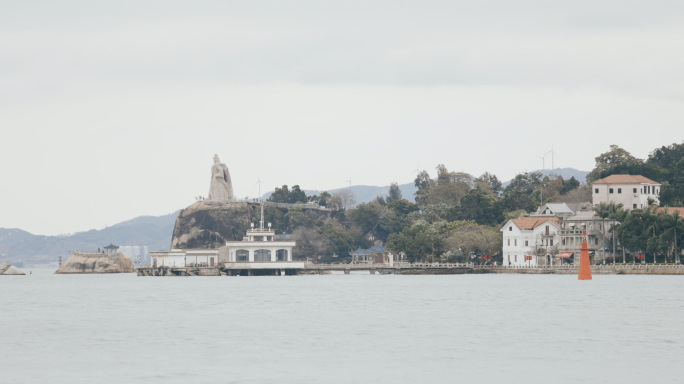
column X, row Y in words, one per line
column 341, row 329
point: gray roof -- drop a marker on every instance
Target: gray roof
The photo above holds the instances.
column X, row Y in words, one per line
column 559, row 208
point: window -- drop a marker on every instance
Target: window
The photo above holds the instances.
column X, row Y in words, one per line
column 510, row 229
column 262, row 255
column 526, row 243
column 634, row 190
column 509, row 242
column 634, row 206
column 509, row 258
column 281, row 255
column 515, row 242
column 551, row 243
column 596, row 241
column 595, row 190
column 242, row 255
column 563, row 241
column 547, row 230
column 610, row 190
column 619, row 190
column 516, row 258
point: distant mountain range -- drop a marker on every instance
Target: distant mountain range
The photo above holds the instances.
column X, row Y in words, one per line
column 566, row 173
column 155, row 232
column 18, row 246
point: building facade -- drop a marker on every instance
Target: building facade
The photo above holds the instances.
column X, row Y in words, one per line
column 260, row 249
column 530, row 241
column 632, row 191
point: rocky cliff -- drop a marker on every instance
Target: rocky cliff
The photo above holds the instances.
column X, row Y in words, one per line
column 209, row 224
column 84, row 262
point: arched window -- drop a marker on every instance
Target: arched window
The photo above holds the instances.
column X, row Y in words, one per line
column 262, row 255
column 242, row 255
column 281, row 255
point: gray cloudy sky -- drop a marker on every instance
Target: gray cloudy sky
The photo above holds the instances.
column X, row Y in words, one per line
column 111, row 110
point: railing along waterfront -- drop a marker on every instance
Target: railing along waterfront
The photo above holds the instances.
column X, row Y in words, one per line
column 91, row 254
column 366, row 266
column 595, row 266
column 301, row 206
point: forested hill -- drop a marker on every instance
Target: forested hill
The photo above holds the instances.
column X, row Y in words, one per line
column 151, row 231
column 367, row 193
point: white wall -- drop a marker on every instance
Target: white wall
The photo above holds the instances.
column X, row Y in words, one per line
column 624, row 194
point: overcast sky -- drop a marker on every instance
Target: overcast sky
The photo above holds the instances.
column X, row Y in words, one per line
column 111, row 110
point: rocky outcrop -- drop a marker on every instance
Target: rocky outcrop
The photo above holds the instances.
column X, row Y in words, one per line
column 87, row 262
column 209, row 224
column 9, row 269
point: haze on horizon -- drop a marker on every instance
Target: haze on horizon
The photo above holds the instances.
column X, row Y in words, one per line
column 114, row 110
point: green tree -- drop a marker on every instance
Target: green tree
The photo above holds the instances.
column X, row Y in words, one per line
column 284, row 195
column 603, row 211
column 374, row 218
column 491, row 180
column 608, row 161
column 619, row 217
column 394, row 193
column 419, row 241
column 340, row 239
column 673, row 230
column 569, row 185
column 472, row 240
column 479, row 206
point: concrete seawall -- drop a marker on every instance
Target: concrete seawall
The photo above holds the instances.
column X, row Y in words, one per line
column 595, row 269
column 415, row 269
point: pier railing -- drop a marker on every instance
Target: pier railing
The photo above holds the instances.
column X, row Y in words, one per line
column 366, row 266
column 595, row 266
column 91, row 254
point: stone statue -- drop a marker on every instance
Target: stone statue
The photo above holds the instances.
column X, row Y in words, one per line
column 221, row 187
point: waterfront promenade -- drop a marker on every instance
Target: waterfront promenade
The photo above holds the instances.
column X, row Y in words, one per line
column 415, row 269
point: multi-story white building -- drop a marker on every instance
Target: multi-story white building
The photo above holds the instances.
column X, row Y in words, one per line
column 632, row 191
column 530, row 241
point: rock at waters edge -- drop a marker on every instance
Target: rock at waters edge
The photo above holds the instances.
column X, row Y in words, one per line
column 8, row 269
column 85, row 262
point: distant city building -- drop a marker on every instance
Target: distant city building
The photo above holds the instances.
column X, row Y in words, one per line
column 135, row 253
column 632, row 191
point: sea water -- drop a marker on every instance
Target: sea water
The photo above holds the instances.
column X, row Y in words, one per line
column 341, row 329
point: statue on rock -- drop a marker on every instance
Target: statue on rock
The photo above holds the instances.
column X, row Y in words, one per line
column 221, row 187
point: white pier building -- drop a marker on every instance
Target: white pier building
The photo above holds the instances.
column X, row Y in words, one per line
column 258, row 250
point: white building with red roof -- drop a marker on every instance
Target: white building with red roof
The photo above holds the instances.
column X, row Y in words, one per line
column 530, row 241
column 632, row 191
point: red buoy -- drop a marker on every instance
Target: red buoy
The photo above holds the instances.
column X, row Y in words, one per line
column 585, row 264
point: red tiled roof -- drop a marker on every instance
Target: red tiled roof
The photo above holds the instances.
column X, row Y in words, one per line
column 672, row 210
column 625, row 179
column 533, row 222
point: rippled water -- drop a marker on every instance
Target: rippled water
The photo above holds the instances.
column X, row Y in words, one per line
column 341, row 329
